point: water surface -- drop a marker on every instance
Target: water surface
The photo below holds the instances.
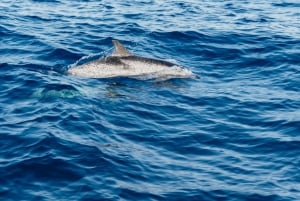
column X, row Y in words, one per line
column 232, row 135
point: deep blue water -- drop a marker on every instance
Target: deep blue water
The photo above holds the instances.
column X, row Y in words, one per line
column 233, row 135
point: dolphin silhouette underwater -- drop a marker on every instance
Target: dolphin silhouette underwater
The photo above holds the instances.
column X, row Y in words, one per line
column 123, row 63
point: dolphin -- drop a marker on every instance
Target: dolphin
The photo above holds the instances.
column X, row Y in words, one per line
column 56, row 91
column 122, row 63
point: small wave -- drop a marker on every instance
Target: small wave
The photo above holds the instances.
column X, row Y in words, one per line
column 287, row 4
column 46, row 1
column 90, row 57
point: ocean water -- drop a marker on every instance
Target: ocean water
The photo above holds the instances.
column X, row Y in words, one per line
column 233, row 134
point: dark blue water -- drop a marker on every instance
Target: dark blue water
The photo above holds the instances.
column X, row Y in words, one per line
column 233, row 135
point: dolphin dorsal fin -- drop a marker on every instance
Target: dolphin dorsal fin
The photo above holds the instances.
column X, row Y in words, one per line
column 120, row 50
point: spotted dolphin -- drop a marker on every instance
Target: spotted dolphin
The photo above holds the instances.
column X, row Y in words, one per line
column 122, row 63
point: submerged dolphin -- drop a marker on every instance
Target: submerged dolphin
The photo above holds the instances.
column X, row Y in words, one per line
column 122, row 63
